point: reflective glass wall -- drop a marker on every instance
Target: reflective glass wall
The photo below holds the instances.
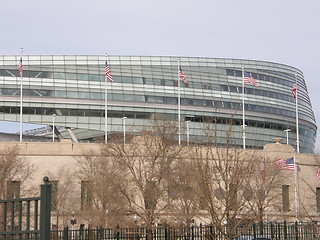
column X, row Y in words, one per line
column 146, row 88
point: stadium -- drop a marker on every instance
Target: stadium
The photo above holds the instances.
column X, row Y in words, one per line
column 69, row 90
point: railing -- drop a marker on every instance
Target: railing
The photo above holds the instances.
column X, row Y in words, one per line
column 274, row 231
column 15, row 212
column 21, row 218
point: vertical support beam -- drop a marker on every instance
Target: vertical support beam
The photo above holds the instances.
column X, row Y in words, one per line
column 45, row 209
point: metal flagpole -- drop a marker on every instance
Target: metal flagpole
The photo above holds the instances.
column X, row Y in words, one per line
column 297, row 116
column 243, row 117
column 296, row 187
column 179, row 116
column 21, row 73
column 105, row 108
column 108, row 76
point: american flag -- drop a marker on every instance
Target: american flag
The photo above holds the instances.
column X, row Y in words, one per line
column 294, row 90
column 285, row 164
column 20, row 67
column 107, row 73
column 247, row 78
column 318, row 174
column 181, row 74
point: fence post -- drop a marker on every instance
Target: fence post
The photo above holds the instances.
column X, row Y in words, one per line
column 45, row 209
column 211, row 231
column 192, row 232
column 285, row 230
column 254, row 231
column 261, row 230
column 296, row 230
column 65, row 233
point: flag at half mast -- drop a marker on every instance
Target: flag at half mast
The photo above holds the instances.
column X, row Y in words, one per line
column 247, row 78
column 20, row 67
column 107, row 73
column 182, row 75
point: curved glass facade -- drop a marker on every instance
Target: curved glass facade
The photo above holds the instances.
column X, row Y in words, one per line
column 145, row 88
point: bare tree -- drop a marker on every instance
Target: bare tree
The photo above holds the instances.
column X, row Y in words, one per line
column 64, row 192
column 261, row 192
column 14, row 167
column 103, row 204
column 220, row 176
column 145, row 167
column 135, row 179
column 310, row 184
column 184, row 206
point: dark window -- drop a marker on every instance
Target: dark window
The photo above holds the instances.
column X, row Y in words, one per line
column 224, row 88
column 227, row 105
column 150, row 195
column 254, row 75
column 233, row 89
column 54, row 195
column 249, row 90
column 86, row 196
column 285, row 198
column 233, row 196
column 217, row 104
column 238, row 73
column 230, row 72
column 13, row 189
column 199, row 102
column 208, row 103
column 318, row 199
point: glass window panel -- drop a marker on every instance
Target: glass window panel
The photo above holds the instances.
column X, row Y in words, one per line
column 117, row 97
column 71, row 94
column 171, row 100
column 126, row 79
column 93, row 77
column 94, row 95
column 59, row 75
column 62, row 94
column 137, row 80
column 85, row 95
column 71, row 76
column 128, row 97
column 139, row 98
column 83, row 77
column 233, row 89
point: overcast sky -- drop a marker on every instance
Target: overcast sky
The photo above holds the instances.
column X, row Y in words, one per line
column 284, row 31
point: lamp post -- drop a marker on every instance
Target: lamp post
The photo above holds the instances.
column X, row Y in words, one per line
column 287, row 132
column 73, row 220
column 53, row 116
column 124, row 129
column 135, row 218
column 106, row 214
column 188, row 132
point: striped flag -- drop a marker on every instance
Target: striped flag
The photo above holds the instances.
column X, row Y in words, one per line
column 20, row 67
column 294, row 90
column 285, row 164
column 247, row 78
column 107, row 73
column 181, row 74
column 318, row 174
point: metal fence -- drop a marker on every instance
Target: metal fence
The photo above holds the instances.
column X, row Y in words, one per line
column 21, row 219
column 274, row 231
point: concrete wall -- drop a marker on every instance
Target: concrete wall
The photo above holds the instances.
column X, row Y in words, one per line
column 52, row 158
